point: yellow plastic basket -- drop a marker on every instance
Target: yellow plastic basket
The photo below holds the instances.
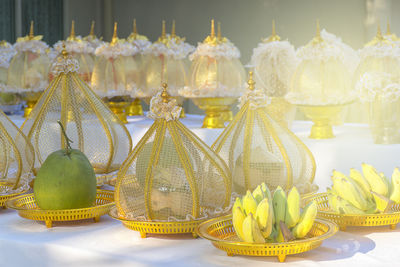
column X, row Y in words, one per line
column 343, row 220
column 221, row 233
column 27, row 208
column 161, row 228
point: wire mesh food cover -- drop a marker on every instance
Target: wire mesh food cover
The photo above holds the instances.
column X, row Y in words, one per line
column 29, row 68
column 91, row 126
column 16, row 156
column 116, row 73
column 80, row 50
column 257, row 149
column 321, row 77
column 171, row 175
column 216, row 70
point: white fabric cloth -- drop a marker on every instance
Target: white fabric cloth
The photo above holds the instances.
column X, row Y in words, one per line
column 108, row 243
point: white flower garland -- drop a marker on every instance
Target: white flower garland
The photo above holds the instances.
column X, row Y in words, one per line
column 34, row 46
column 121, row 48
column 142, row 44
column 256, row 98
column 78, row 46
column 380, row 50
column 7, row 51
column 374, row 84
column 160, row 110
column 177, row 50
column 322, row 51
column 211, row 90
column 225, row 50
column 64, row 65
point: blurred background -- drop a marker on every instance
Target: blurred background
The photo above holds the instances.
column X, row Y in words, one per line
column 244, row 22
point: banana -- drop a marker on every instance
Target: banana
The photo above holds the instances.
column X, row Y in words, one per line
column 238, row 217
column 238, row 203
column 258, row 194
column 333, row 201
column 263, row 218
column 376, row 182
column 249, row 203
column 306, row 220
column 395, row 186
column 251, row 231
column 382, row 202
column 350, row 180
column 349, row 192
column 345, row 207
column 268, row 195
column 279, row 203
column 362, row 182
column 293, row 208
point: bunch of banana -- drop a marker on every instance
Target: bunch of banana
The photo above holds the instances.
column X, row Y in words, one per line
column 260, row 217
column 363, row 193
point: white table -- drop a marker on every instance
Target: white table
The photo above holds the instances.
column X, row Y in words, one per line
column 30, row 243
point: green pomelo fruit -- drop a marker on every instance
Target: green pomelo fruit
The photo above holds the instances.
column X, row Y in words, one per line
column 65, row 181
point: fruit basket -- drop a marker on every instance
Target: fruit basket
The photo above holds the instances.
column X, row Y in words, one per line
column 221, row 233
column 28, row 209
column 160, row 228
column 4, row 198
column 392, row 218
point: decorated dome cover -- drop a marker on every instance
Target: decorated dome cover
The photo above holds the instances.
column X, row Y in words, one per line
column 92, row 38
column 79, row 49
column 216, row 70
column 167, row 63
column 322, row 76
column 116, row 72
column 171, row 174
column 88, row 122
column 257, row 149
column 7, row 51
column 29, row 68
column 16, row 158
column 141, row 41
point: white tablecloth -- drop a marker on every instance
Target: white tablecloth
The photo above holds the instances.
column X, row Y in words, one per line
column 30, row 243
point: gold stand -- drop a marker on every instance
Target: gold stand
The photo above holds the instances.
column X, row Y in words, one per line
column 134, row 108
column 322, row 117
column 217, row 110
column 31, row 100
column 118, row 108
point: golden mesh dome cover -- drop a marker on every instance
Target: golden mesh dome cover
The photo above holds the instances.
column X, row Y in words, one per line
column 91, row 126
column 80, row 50
column 216, row 70
column 257, row 149
column 29, row 68
column 171, row 175
column 166, row 61
column 16, row 156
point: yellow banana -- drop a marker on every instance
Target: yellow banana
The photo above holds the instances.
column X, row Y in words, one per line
column 362, row 182
column 251, row 231
column 349, row 192
column 279, row 203
column 258, row 194
column 395, row 186
column 238, row 217
column 293, row 208
column 377, row 183
column 268, row 195
column 345, row 207
column 238, row 203
column 263, row 218
column 350, row 180
column 306, row 220
column 249, row 203
column 382, row 202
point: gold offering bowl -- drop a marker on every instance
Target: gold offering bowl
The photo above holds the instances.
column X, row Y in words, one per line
column 323, row 117
column 31, row 99
column 28, row 209
column 221, row 233
column 217, row 110
column 118, row 105
column 160, row 228
column 391, row 219
column 134, row 108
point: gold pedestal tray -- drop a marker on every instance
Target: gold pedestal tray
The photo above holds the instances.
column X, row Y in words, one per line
column 31, row 100
column 118, row 108
column 160, row 228
column 4, row 198
column 134, row 108
column 323, row 118
column 392, row 218
column 28, row 209
column 221, row 233
column 217, row 110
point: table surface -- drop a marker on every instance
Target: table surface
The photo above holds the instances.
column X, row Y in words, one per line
column 24, row 242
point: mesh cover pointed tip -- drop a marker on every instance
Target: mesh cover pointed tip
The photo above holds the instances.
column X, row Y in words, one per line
column 257, row 149
column 91, row 126
column 16, row 156
column 171, row 175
